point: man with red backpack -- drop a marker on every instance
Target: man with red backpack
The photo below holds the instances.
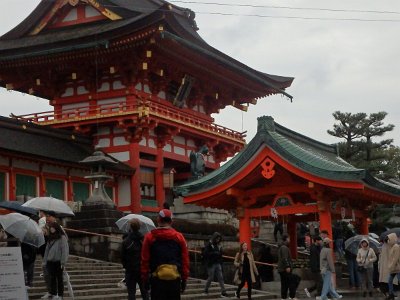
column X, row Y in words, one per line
column 165, row 260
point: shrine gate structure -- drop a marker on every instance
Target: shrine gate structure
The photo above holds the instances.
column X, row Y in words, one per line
column 138, row 80
column 281, row 172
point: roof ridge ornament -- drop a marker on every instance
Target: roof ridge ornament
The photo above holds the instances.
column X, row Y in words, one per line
column 265, row 123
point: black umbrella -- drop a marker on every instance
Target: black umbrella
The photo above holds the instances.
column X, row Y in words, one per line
column 17, row 207
column 395, row 230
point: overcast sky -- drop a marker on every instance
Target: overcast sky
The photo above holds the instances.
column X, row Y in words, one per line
column 347, row 65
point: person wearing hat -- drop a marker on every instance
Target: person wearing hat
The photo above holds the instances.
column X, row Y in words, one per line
column 327, row 268
column 315, row 251
column 165, row 260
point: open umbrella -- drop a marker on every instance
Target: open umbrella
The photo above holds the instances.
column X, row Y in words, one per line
column 395, row 230
column 146, row 224
column 353, row 244
column 374, row 235
column 23, row 228
column 17, row 207
column 50, row 204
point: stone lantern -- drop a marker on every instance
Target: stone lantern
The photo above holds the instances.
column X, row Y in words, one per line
column 98, row 163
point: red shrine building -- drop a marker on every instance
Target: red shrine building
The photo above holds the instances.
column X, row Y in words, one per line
column 130, row 77
column 284, row 174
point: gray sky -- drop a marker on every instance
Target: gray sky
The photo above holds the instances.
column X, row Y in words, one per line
column 351, row 66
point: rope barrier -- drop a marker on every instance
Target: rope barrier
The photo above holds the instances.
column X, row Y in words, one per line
column 190, row 250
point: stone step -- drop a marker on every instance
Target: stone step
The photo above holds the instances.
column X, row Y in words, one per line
column 96, row 280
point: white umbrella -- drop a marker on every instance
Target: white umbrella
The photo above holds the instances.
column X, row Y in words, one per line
column 146, row 224
column 50, row 204
column 23, row 228
column 374, row 235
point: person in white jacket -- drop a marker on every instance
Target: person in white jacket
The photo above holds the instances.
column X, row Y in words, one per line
column 365, row 260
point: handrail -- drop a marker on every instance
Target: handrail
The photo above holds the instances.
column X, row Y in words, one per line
column 137, row 106
column 190, row 250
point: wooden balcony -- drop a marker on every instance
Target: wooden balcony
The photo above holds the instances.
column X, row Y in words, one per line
column 134, row 109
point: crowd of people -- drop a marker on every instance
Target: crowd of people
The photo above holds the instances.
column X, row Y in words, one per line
column 54, row 255
column 158, row 262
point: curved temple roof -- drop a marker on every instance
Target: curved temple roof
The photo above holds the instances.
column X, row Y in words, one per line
column 304, row 153
column 135, row 15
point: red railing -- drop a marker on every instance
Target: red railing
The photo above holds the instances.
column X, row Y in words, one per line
column 142, row 108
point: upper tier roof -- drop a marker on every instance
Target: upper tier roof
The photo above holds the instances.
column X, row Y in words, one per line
column 135, row 15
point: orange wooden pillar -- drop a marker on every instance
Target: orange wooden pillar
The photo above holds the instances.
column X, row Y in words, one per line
column 292, row 232
column 245, row 228
column 160, row 193
column 134, row 162
column 364, row 226
column 325, row 218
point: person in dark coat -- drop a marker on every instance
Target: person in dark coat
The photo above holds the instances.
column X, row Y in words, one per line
column 131, row 258
column 28, row 262
column 285, row 268
column 266, row 272
column 315, row 250
column 213, row 259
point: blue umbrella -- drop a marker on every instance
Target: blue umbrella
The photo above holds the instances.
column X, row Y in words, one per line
column 353, row 244
column 17, row 207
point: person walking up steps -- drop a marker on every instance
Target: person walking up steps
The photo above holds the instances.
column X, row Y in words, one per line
column 55, row 258
column 213, row 259
column 165, row 260
column 315, row 251
column 131, row 259
column 327, row 268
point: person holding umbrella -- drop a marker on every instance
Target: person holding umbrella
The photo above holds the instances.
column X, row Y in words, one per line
column 28, row 262
column 365, row 260
column 131, row 258
column 55, row 258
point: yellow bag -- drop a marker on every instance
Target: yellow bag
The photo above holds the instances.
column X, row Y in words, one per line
column 166, row 272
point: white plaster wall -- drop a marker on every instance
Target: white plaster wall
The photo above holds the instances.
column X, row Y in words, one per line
column 167, row 148
column 71, row 16
column 104, row 142
column 152, row 144
column 120, row 141
column 124, row 192
column 121, row 156
column 69, row 91
column 179, row 150
column 91, row 12
column 81, row 90
column 179, row 140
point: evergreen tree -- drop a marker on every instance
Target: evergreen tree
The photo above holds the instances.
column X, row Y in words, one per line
column 360, row 148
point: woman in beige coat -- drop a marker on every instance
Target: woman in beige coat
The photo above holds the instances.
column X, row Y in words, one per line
column 394, row 262
column 365, row 259
column 246, row 270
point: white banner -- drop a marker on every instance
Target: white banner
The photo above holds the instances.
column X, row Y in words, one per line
column 12, row 283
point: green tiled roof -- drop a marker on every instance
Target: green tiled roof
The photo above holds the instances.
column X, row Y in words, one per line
column 309, row 155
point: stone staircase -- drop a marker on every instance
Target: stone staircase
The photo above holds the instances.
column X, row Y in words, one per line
column 94, row 279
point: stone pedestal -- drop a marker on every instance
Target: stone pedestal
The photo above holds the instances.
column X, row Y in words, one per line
column 98, row 219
